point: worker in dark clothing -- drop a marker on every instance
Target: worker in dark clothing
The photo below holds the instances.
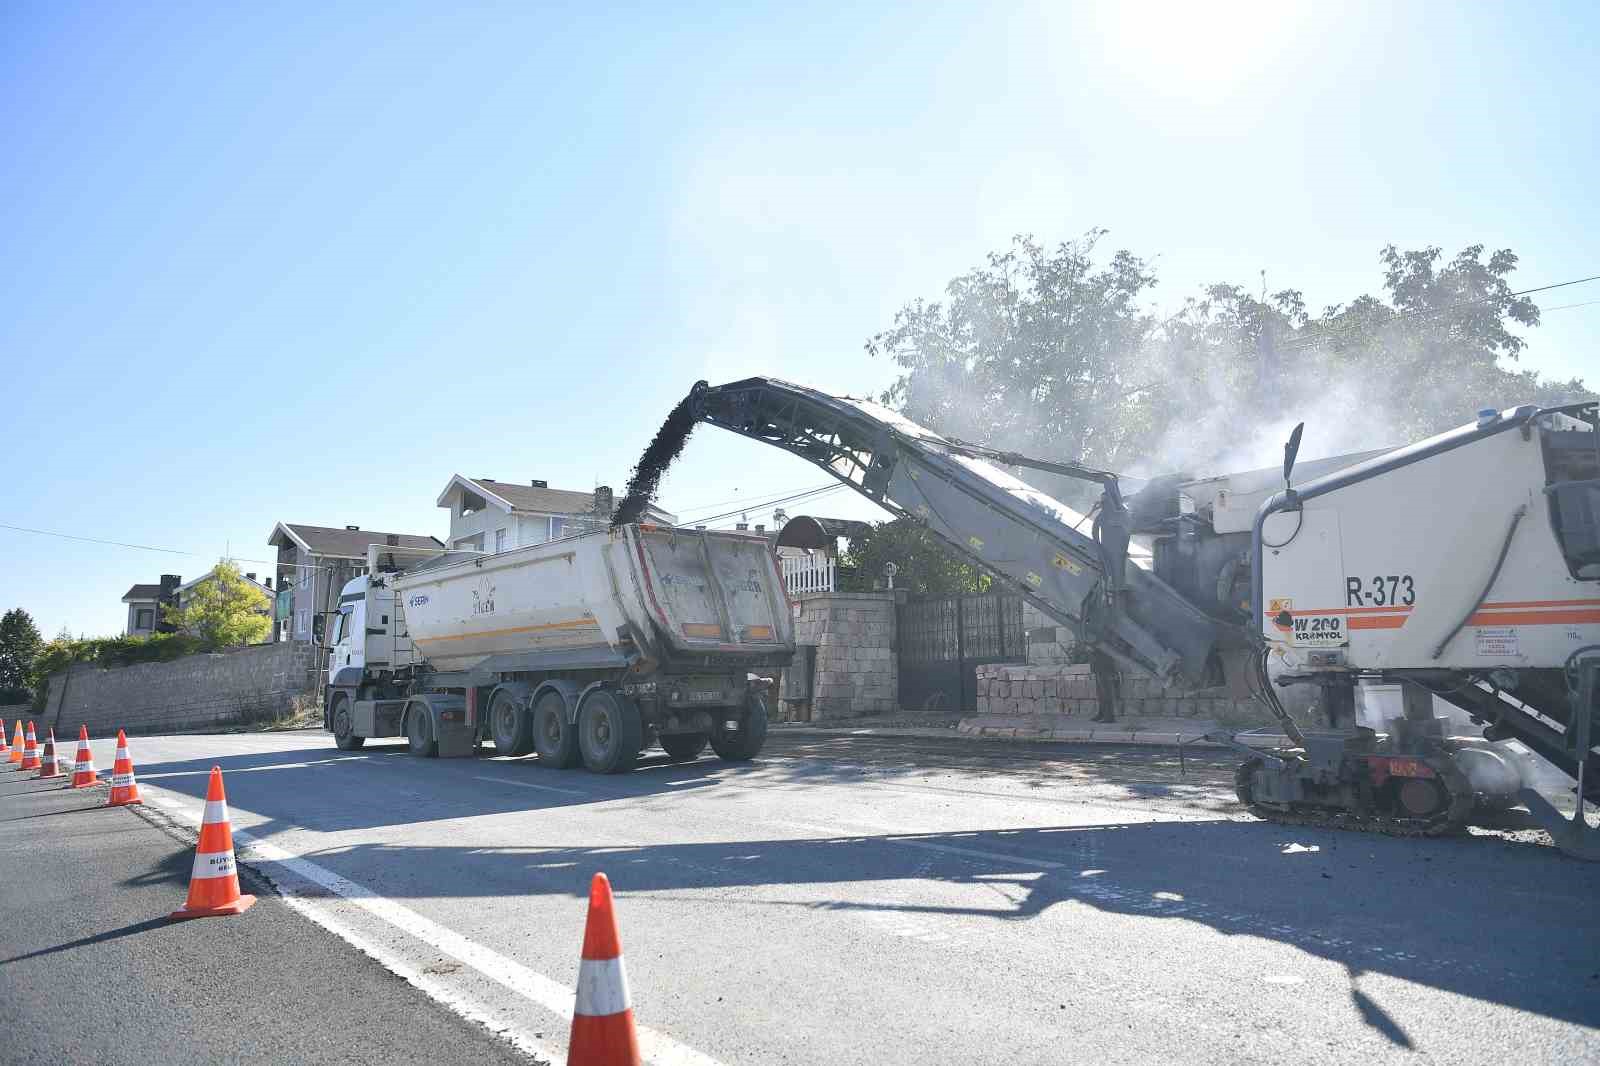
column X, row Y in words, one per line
column 1107, row 685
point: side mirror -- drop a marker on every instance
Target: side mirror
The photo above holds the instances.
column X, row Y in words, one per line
column 1290, row 450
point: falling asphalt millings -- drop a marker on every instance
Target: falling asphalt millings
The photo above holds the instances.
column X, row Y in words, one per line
column 664, row 449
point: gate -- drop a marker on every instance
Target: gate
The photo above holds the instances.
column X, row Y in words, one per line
column 944, row 639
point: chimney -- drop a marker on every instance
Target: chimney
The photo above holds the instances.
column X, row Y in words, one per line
column 605, row 501
column 392, row 540
column 353, row 529
column 743, row 527
column 700, row 528
column 540, row 484
column 251, row 575
column 169, row 584
column 760, row 528
column 268, row 582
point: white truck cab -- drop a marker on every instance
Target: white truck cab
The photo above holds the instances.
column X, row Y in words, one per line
column 368, row 635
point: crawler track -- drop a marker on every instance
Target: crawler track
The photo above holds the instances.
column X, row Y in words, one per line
column 1452, row 819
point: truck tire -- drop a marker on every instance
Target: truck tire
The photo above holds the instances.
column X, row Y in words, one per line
column 510, row 725
column 743, row 744
column 610, row 731
column 683, row 747
column 554, row 737
column 343, row 737
column 419, row 732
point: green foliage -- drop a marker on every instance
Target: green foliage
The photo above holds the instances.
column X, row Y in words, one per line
column 65, row 651
column 925, row 565
column 19, row 648
column 1051, row 352
column 224, row 610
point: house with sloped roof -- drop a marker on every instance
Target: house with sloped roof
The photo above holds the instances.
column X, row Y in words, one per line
column 314, row 562
column 495, row 516
column 145, row 602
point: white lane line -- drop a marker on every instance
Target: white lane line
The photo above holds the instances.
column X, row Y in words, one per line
column 553, row 996
column 529, row 784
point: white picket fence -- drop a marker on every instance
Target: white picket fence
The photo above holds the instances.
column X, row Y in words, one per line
column 807, row 573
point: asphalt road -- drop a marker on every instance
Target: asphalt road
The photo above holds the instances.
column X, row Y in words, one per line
column 898, row 900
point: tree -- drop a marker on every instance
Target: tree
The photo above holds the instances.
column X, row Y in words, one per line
column 923, row 565
column 1032, row 352
column 1045, row 351
column 19, row 650
column 224, row 610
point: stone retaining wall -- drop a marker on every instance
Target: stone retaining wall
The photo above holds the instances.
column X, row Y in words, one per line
column 1068, row 689
column 856, row 669
column 231, row 688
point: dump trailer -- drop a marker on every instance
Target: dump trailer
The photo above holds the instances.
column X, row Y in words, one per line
column 1466, row 567
column 587, row 649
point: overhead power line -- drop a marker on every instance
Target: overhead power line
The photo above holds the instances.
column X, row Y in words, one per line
column 147, row 547
column 1318, row 336
column 753, row 504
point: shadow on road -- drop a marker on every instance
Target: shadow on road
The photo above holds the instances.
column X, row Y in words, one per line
column 97, row 938
column 1419, row 910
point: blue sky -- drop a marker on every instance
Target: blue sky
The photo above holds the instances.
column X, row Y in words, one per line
column 304, row 263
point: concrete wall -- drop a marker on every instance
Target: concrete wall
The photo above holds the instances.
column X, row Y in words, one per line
column 197, row 692
column 854, row 634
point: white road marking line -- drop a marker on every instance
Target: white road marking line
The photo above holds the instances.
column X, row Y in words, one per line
column 530, row 784
column 558, row 999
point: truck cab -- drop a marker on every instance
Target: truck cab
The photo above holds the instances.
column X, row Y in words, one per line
column 368, row 639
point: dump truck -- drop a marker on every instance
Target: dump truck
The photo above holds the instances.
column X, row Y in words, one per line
column 587, row 649
column 1464, row 567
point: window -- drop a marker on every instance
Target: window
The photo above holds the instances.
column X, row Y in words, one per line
column 146, row 618
column 558, row 528
column 305, row 577
column 339, row 621
column 300, row 619
column 472, row 543
column 499, row 540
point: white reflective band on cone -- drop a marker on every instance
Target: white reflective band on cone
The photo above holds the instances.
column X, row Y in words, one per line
column 602, row 988
column 214, row 864
column 122, row 753
column 121, row 780
column 216, row 812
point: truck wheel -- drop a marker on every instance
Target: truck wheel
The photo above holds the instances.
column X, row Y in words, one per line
column 610, row 731
column 683, row 747
column 744, row 743
column 343, row 738
column 554, row 738
column 419, row 732
column 509, row 724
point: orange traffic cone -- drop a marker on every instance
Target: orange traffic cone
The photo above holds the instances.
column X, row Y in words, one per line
column 214, row 884
column 602, row 1019
column 5, row 749
column 83, row 775
column 48, row 766
column 124, row 788
column 30, row 751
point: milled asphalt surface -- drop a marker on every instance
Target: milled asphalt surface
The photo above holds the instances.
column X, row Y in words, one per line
column 908, row 900
column 92, row 970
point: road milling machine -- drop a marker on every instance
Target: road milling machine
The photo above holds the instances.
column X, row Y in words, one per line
column 1464, row 567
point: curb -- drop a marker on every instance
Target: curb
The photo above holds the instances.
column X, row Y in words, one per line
column 971, row 730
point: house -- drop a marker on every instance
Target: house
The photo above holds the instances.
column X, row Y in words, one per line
column 186, row 591
column 145, row 603
column 314, row 562
column 495, row 516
